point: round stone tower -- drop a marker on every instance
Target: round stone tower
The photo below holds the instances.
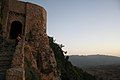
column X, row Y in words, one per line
column 29, row 21
column 24, row 13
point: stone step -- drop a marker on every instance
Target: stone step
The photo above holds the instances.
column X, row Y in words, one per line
column 5, row 66
column 5, row 62
column 6, row 55
column 7, row 50
column 2, row 54
column 5, row 58
column 2, row 75
column 2, row 71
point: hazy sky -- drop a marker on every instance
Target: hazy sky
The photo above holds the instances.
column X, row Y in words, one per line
column 84, row 26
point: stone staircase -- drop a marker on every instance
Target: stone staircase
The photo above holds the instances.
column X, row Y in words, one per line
column 7, row 48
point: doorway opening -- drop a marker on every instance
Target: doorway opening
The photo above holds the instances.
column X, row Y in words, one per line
column 15, row 30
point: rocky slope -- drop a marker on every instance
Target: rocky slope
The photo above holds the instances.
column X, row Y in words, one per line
column 66, row 70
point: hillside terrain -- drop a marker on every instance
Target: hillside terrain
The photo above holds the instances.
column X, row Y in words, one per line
column 108, row 72
column 93, row 60
column 66, row 70
column 101, row 66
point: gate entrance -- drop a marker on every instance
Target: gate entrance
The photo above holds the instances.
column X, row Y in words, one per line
column 15, row 30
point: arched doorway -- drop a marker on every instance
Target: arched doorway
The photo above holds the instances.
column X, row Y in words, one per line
column 15, row 30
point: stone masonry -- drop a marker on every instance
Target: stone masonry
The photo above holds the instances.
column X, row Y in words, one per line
column 27, row 21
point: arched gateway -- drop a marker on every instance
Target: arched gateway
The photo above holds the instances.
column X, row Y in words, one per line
column 15, row 30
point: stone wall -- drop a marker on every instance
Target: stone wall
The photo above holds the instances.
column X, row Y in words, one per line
column 38, row 40
column 0, row 10
column 5, row 17
column 17, row 6
column 17, row 72
column 16, row 12
column 1, row 13
column 13, row 16
column 35, row 16
column 33, row 19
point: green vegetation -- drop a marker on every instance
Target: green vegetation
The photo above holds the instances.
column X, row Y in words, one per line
column 66, row 70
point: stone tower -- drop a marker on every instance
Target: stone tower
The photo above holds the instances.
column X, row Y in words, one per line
column 27, row 21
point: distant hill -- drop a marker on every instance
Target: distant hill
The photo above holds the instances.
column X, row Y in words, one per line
column 93, row 60
column 105, row 72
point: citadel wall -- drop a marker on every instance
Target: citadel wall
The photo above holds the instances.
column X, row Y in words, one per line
column 33, row 20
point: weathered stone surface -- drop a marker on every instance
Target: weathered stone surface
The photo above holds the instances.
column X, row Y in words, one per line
column 34, row 44
column 28, row 51
column 18, row 58
column 15, row 74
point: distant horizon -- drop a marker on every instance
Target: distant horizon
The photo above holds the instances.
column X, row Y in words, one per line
column 91, row 55
column 85, row 27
